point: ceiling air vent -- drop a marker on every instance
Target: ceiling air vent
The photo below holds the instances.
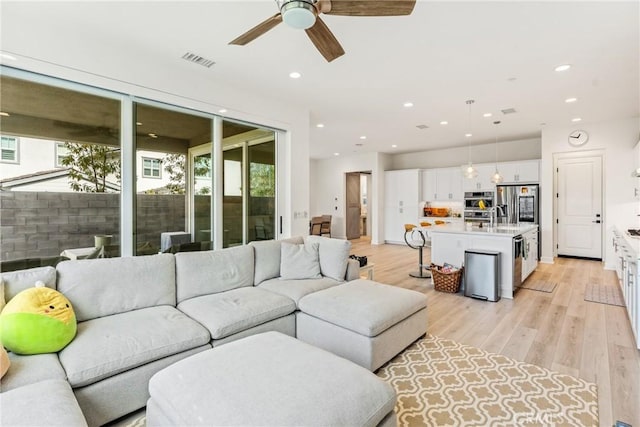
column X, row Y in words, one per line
column 192, row 57
column 508, row 111
column 422, row 127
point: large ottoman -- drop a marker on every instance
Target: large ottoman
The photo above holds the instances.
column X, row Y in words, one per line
column 268, row 379
column 363, row 321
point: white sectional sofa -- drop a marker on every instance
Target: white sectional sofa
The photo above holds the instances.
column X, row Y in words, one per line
column 138, row 315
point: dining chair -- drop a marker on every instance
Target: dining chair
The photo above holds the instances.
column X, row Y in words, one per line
column 315, row 226
column 325, row 227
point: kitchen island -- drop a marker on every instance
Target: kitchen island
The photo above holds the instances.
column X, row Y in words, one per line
column 448, row 243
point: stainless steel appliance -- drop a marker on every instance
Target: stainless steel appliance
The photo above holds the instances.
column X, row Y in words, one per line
column 518, row 242
column 473, row 211
column 519, row 204
column 481, row 274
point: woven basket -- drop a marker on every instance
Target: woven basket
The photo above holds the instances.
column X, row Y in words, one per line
column 446, row 282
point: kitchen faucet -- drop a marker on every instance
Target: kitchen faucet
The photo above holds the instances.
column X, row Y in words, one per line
column 494, row 211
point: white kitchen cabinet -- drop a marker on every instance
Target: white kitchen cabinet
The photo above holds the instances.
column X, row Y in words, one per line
column 530, row 253
column 482, row 181
column 627, row 258
column 442, row 184
column 401, row 202
column 526, row 171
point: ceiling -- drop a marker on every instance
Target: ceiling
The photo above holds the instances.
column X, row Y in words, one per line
column 501, row 54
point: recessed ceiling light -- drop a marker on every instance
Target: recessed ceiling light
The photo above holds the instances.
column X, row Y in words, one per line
column 468, row 135
column 444, row 122
column 408, row 104
column 2, row 113
column 576, row 119
column 394, row 146
column 363, row 137
column 295, row 75
column 222, row 110
column 336, row 154
column 487, row 115
column 563, row 67
column 320, row 125
column 570, row 100
column 153, row 135
column 6, row 56
column 138, row 123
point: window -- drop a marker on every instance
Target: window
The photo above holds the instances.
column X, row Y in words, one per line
column 151, row 167
column 9, row 149
column 61, row 152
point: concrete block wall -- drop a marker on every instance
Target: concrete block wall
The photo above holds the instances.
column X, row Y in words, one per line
column 39, row 224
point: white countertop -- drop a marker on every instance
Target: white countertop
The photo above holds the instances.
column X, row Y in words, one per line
column 498, row 231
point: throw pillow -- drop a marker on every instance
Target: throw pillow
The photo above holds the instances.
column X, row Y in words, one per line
column 37, row 320
column 334, row 256
column 299, row 261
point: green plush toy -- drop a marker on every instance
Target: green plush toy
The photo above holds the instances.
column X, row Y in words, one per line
column 37, row 320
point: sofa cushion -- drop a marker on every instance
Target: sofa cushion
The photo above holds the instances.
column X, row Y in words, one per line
column 102, row 287
column 49, row 403
column 334, row 254
column 299, row 261
column 227, row 313
column 296, row 289
column 267, row 257
column 17, row 281
column 29, row 369
column 202, row 273
column 109, row 345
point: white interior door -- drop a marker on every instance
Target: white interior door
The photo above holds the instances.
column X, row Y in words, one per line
column 579, row 204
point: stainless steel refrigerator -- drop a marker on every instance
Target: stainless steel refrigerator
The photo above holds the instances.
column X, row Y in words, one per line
column 519, row 204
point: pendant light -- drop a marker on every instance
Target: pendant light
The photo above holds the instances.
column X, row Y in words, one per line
column 469, row 171
column 496, row 178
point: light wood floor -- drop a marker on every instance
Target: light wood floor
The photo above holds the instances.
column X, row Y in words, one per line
column 559, row 330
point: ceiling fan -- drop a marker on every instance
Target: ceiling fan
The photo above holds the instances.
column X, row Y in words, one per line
column 305, row 15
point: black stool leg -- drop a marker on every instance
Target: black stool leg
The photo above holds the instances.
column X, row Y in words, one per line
column 420, row 274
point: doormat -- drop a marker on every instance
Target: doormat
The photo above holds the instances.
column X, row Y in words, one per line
column 603, row 294
column 442, row 382
column 539, row 285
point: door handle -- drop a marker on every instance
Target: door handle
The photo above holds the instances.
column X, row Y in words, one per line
column 597, row 221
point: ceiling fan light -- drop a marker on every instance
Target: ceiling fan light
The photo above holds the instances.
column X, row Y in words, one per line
column 298, row 14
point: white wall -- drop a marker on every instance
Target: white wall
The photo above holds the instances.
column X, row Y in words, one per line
column 328, row 190
column 617, row 139
column 524, row 149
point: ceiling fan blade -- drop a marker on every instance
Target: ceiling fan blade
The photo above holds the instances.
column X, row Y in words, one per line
column 324, row 40
column 371, row 7
column 258, row 30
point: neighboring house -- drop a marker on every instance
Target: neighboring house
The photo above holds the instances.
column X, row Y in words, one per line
column 32, row 164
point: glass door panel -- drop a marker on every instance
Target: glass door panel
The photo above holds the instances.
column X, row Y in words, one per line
column 262, row 191
column 232, row 201
column 164, row 137
column 201, row 170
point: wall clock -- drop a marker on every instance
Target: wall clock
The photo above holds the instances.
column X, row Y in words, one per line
column 578, row 138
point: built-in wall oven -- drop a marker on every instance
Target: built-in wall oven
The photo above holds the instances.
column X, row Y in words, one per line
column 478, row 205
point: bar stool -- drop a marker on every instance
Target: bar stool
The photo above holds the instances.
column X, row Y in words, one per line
column 415, row 239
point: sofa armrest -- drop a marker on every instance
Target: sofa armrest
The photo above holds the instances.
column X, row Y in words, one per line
column 353, row 270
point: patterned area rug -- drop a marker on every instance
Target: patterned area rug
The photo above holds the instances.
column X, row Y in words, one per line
column 539, row 285
column 604, row 294
column 441, row 382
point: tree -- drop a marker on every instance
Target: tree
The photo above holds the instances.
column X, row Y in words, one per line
column 90, row 166
column 263, row 180
column 174, row 164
